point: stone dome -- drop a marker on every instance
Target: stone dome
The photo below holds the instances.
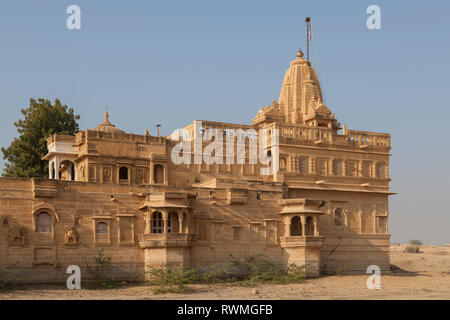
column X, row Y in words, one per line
column 107, row 126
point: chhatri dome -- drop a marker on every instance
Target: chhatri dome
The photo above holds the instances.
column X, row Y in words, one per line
column 107, row 126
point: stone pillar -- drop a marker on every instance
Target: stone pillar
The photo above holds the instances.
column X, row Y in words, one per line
column 165, row 215
column 180, row 222
column 312, row 167
column 303, row 221
column 360, row 168
column 57, row 169
column 374, row 218
column 287, row 226
column 147, row 221
column 316, row 226
column 188, row 223
column 344, row 167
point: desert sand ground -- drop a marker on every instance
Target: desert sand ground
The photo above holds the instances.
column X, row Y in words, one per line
column 425, row 275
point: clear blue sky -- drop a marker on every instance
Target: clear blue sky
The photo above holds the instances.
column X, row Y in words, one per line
column 175, row 61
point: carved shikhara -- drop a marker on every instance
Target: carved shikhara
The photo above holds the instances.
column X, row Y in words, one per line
column 327, row 206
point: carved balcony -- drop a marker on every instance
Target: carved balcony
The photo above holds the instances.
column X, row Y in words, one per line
column 166, row 240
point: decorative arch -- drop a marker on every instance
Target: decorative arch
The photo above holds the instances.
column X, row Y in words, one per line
column 123, row 173
column 296, row 226
column 283, row 164
column 47, row 208
column 339, row 217
column 309, row 226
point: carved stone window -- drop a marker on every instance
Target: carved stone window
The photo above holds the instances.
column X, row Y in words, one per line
column 367, row 169
column 123, row 173
column 101, row 228
column 157, row 222
column 158, row 173
column 322, row 166
column 309, row 226
column 303, row 165
column 173, row 224
column 43, row 222
column 337, row 167
column 352, row 168
column 283, row 164
column 338, row 217
column 296, row 226
column 202, row 232
column 381, row 170
column 236, row 233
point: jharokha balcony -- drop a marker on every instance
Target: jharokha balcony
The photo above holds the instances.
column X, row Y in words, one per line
column 166, row 240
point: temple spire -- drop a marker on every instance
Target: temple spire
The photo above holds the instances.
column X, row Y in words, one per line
column 106, row 115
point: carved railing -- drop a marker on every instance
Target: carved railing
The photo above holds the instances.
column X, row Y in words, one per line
column 326, row 134
column 63, row 147
column 157, row 240
column 368, row 138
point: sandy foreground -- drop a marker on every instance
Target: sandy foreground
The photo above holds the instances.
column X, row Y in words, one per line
column 425, row 275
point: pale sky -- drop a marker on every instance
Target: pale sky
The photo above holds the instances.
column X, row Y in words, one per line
column 175, row 61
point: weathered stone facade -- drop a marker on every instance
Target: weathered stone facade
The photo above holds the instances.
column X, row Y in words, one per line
column 326, row 207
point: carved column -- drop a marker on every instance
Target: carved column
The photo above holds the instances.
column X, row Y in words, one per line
column 165, row 219
column 360, row 168
column 287, row 226
column 147, row 221
column 303, row 221
column 316, row 226
column 180, row 222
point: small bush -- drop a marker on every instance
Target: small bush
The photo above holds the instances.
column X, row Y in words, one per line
column 6, row 284
column 171, row 279
column 102, row 263
column 248, row 271
column 412, row 248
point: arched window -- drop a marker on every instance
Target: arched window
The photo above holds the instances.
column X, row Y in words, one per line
column 101, row 227
column 296, row 226
column 158, row 173
column 283, row 164
column 123, row 173
column 338, row 217
column 43, row 222
column 157, row 222
column 309, row 226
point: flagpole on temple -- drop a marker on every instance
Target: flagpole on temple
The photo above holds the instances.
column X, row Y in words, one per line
column 308, row 35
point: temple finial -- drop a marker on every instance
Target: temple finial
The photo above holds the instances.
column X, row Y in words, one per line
column 300, row 53
column 106, row 115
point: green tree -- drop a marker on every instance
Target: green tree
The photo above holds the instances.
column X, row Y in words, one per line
column 41, row 119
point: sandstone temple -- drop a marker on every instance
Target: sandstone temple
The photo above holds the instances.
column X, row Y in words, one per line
column 326, row 207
